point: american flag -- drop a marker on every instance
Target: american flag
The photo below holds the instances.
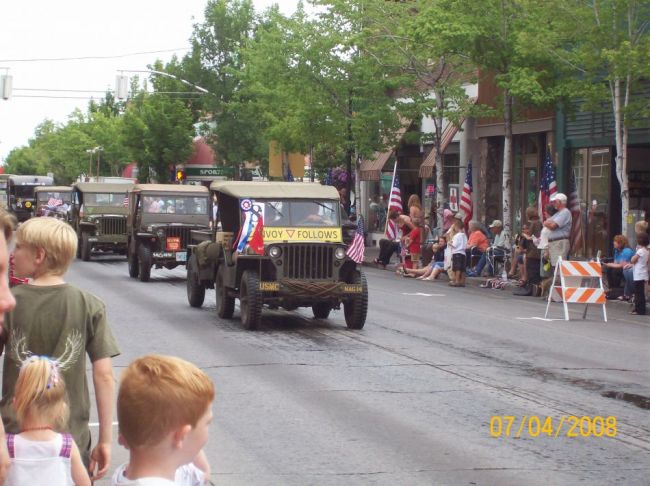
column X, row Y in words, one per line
column 358, row 246
column 577, row 236
column 394, row 204
column 547, row 186
column 125, row 203
column 466, row 197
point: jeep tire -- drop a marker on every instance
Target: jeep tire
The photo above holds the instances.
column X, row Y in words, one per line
column 195, row 289
column 356, row 308
column 85, row 246
column 144, row 262
column 250, row 300
column 225, row 303
column 132, row 258
column 321, row 310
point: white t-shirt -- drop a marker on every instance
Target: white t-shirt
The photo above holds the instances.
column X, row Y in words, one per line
column 640, row 269
column 186, row 475
column 459, row 243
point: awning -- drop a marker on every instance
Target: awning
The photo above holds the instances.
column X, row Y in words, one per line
column 448, row 134
column 371, row 169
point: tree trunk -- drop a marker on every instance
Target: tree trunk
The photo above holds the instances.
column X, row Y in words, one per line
column 441, row 189
column 621, row 151
column 506, row 183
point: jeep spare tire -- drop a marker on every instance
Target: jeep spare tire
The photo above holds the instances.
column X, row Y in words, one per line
column 195, row 289
column 225, row 303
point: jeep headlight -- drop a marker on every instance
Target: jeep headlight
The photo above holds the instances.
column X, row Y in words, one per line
column 339, row 253
column 275, row 252
column 160, row 233
column 149, row 229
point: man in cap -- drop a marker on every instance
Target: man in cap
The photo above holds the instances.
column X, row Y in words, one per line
column 560, row 226
column 498, row 249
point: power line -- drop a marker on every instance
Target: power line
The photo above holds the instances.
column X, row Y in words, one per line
column 196, row 96
column 84, row 58
column 103, row 91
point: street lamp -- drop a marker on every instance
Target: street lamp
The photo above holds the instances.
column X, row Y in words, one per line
column 92, row 151
column 122, row 81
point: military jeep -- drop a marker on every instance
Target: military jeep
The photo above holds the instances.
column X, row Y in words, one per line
column 161, row 217
column 99, row 213
column 300, row 261
column 20, row 194
column 54, row 202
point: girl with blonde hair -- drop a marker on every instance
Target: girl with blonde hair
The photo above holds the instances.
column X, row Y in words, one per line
column 39, row 454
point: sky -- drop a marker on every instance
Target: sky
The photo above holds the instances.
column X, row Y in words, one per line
column 45, row 29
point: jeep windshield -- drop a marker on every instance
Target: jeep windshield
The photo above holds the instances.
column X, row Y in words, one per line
column 53, row 198
column 116, row 200
column 26, row 190
column 299, row 213
column 175, row 205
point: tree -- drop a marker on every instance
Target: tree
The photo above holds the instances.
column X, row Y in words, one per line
column 604, row 47
column 490, row 35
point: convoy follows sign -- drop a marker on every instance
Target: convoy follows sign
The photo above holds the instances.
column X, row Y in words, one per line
column 302, row 234
column 220, row 171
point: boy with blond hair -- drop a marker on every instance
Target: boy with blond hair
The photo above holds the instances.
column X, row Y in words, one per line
column 164, row 408
column 53, row 318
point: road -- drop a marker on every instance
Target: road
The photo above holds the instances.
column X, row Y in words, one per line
column 409, row 399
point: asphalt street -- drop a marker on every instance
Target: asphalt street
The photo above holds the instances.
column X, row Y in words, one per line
column 408, row 400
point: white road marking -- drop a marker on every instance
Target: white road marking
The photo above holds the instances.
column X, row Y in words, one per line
column 537, row 319
column 424, row 295
column 96, row 424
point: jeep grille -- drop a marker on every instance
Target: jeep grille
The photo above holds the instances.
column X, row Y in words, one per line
column 181, row 231
column 310, row 261
column 112, row 225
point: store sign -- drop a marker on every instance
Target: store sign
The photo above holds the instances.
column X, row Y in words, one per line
column 453, row 197
column 209, row 171
column 430, row 190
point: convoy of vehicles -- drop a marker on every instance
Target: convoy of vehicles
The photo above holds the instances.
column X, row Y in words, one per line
column 301, row 263
column 99, row 212
column 20, row 194
column 53, row 201
column 160, row 219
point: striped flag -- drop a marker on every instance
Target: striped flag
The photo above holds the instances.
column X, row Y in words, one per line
column 466, row 197
column 358, row 246
column 577, row 235
column 547, row 186
column 394, row 204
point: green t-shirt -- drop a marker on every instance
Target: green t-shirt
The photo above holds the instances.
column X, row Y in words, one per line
column 45, row 321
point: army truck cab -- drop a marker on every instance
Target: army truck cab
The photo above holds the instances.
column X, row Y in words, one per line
column 99, row 212
column 276, row 244
column 20, row 194
column 54, row 202
column 161, row 217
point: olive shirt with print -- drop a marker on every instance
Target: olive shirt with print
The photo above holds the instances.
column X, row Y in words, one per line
column 49, row 321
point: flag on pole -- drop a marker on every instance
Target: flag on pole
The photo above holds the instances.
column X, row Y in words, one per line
column 357, row 248
column 466, row 197
column 577, row 236
column 394, row 204
column 547, row 186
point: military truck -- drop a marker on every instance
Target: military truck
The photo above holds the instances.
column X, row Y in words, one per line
column 161, row 217
column 99, row 212
column 300, row 259
column 20, row 194
column 53, row 201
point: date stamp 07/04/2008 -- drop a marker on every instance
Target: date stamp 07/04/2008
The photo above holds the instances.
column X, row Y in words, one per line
column 563, row 426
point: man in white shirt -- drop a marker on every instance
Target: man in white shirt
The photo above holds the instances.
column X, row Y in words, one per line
column 560, row 226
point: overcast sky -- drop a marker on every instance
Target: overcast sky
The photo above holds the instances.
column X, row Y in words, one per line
column 43, row 29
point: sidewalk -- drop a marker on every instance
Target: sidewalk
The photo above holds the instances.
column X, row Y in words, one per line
column 372, row 252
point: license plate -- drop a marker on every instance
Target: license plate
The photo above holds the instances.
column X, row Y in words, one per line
column 181, row 256
column 173, row 243
column 269, row 286
column 352, row 289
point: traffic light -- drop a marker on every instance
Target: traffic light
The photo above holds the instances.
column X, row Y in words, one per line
column 180, row 175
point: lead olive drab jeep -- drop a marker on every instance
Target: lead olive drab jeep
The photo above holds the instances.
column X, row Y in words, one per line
column 161, row 217
column 99, row 213
column 303, row 261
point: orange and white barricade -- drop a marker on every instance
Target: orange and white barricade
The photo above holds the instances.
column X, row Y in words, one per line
column 580, row 283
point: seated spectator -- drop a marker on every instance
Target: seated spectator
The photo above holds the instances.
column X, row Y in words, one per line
column 435, row 268
column 498, row 249
column 615, row 271
column 518, row 264
column 388, row 247
column 477, row 243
